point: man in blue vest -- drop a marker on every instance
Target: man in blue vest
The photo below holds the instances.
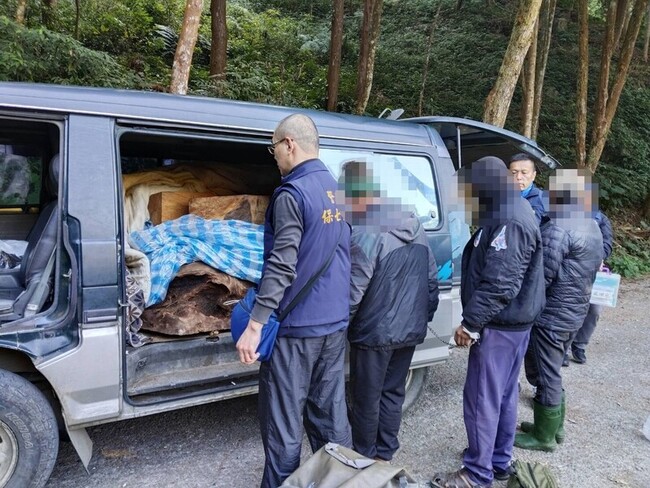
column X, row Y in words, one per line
column 523, row 171
column 305, row 375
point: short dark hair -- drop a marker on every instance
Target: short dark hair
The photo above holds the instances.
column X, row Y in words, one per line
column 521, row 157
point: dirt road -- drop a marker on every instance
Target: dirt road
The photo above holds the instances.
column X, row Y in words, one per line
column 219, row 445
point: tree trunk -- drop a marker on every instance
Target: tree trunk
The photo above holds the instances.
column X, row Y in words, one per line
column 77, row 17
column 498, row 101
column 646, row 45
column 49, row 7
column 20, row 11
column 601, row 131
column 547, row 16
column 368, row 48
column 336, row 45
column 219, row 43
column 185, row 48
column 622, row 7
column 425, row 70
column 646, row 203
column 583, row 82
column 528, row 83
column 605, row 65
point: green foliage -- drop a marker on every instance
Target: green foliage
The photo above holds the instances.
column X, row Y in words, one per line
column 630, row 263
column 278, row 53
column 42, row 56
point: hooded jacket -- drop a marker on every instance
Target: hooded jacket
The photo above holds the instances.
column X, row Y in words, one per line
column 394, row 291
column 572, row 256
column 502, row 283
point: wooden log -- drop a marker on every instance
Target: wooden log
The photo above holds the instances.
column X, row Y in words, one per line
column 250, row 208
column 195, row 302
column 170, row 205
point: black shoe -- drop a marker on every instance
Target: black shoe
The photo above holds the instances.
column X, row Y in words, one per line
column 503, row 474
column 565, row 361
column 579, row 356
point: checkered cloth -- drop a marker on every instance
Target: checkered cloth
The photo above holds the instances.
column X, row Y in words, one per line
column 231, row 246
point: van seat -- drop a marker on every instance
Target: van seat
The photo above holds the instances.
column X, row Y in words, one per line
column 24, row 290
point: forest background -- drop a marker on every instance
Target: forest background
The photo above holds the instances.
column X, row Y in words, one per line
column 572, row 74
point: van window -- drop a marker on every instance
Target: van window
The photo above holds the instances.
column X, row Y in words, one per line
column 407, row 178
column 22, row 160
column 25, row 151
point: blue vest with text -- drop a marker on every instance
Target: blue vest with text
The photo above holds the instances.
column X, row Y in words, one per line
column 325, row 309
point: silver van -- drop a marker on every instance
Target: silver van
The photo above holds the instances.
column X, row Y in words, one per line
column 70, row 357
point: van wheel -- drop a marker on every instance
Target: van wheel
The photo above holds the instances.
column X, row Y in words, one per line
column 415, row 381
column 29, row 436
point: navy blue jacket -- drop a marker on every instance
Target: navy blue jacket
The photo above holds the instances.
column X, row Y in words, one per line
column 572, row 256
column 608, row 234
column 502, row 284
column 536, row 201
column 326, row 307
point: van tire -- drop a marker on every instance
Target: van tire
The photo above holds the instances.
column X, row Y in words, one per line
column 415, row 381
column 29, row 435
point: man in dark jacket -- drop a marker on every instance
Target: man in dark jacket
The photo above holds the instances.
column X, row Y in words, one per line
column 394, row 294
column 502, row 293
column 523, row 171
column 572, row 255
column 581, row 340
column 305, row 375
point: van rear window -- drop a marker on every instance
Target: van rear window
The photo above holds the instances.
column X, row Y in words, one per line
column 404, row 178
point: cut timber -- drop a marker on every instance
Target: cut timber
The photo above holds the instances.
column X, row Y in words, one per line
column 250, row 208
column 170, row 205
column 194, row 302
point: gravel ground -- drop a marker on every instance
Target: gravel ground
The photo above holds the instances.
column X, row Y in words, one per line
column 608, row 400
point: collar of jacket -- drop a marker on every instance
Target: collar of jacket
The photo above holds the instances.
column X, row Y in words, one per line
column 306, row 167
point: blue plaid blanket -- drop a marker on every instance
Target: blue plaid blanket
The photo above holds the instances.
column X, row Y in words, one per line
column 231, row 246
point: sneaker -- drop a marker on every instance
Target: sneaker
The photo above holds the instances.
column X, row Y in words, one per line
column 503, row 474
column 579, row 355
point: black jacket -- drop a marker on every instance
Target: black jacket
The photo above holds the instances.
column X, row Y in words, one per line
column 394, row 290
column 572, row 256
column 502, row 284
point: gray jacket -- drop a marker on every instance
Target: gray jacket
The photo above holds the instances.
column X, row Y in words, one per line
column 394, row 290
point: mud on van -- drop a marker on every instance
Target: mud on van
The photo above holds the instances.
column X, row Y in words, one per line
column 88, row 332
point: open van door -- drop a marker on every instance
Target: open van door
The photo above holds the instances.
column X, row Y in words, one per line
column 468, row 140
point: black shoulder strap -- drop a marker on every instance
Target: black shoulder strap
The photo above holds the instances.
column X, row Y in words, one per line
column 305, row 289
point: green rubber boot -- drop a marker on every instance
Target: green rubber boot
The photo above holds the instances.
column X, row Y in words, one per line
column 560, row 434
column 542, row 436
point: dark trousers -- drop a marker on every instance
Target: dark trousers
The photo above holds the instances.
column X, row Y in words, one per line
column 588, row 326
column 377, row 382
column 543, row 364
column 303, row 383
column 490, row 401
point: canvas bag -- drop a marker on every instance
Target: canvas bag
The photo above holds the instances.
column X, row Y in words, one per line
column 531, row 475
column 334, row 466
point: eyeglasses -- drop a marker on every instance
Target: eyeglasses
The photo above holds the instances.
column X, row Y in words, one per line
column 271, row 147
